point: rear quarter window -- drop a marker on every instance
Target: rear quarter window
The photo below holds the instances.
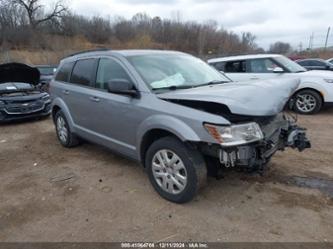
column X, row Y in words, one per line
column 64, row 72
column 218, row 65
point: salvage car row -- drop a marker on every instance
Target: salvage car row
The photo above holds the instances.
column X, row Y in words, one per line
column 178, row 116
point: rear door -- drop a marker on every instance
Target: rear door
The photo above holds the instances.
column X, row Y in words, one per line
column 78, row 93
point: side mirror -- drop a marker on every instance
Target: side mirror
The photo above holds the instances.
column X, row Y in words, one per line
column 122, row 86
column 278, row 70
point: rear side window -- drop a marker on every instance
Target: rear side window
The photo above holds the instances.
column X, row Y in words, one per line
column 83, row 72
column 235, row 67
column 64, row 72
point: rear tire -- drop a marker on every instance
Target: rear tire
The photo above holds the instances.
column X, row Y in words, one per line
column 308, row 102
column 176, row 171
column 65, row 136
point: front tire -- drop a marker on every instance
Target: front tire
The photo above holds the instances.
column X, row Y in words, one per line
column 308, row 102
column 65, row 136
column 176, row 171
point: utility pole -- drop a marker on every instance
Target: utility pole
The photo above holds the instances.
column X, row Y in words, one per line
column 327, row 35
column 311, row 41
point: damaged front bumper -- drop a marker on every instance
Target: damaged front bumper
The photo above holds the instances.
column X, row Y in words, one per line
column 279, row 133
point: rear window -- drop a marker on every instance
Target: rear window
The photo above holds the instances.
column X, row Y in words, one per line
column 83, row 72
column 64, row 72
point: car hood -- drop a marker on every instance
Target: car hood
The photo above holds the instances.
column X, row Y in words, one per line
column 317, row 73
column 17, row 72
column 252, row 98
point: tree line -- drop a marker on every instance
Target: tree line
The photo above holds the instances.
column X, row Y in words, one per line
column 28, row 24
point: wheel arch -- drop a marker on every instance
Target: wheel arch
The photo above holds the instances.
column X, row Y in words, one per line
column 149, row 137
column 59, row 104
column 160, row 126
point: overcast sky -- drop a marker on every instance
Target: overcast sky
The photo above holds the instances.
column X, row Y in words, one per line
column 290, row 21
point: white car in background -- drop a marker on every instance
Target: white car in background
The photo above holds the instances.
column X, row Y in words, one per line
column 330, row 60
column 315, row 90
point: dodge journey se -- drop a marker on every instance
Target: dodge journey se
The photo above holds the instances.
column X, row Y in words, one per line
column 173, row 113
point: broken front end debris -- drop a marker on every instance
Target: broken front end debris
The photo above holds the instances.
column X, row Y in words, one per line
column 264, row 137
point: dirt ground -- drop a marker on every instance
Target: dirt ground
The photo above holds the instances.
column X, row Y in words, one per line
column 49, row 193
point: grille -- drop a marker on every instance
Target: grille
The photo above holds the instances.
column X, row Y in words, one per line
column 24, row 107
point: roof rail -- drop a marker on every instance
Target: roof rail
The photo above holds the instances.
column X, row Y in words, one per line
column 87, row 51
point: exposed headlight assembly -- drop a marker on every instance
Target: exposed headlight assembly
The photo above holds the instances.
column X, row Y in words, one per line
column 329, row 80
column 235, row 134
column 46, row 98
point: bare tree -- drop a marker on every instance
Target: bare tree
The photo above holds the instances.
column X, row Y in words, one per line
column 280, row 48
column 35, row 11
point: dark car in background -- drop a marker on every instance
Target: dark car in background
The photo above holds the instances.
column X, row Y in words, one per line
column 20, row 96
column 315, row 64
column 46, row 75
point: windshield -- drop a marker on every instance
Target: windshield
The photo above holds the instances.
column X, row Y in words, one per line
column 175, row 71
column 292, row 66
column 47, row 70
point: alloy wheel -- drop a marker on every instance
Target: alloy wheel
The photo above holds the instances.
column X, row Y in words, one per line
column 62, row 129
column 306, row 103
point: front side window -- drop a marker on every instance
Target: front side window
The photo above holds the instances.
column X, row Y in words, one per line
column 317, row 63
column 83, row 72
column 165, row 71
column 108, row 70
column 262, row 66
column 64, row 72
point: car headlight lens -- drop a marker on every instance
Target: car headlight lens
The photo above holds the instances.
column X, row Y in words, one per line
column 235, row 134
column 329, row 80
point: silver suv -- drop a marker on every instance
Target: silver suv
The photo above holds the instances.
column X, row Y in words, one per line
column 173, row 113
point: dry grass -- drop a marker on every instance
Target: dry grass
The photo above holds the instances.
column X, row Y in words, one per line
column 60, row 46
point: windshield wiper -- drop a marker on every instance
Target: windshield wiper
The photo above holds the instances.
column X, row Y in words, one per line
column 213, row 82
column 172, row 88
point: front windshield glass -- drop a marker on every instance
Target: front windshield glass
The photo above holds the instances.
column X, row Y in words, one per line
column 47, row 70
column 175, row 71
column 292, row 66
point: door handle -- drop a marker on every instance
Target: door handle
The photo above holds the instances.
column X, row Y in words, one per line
column 254, row 78
column 66, row 92
column 95, row 99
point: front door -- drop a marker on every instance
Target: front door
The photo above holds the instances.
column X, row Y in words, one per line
column 115, row 116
